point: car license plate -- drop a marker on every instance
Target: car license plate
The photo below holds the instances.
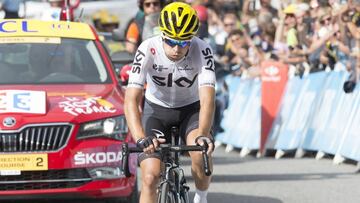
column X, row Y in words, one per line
column 23, row 162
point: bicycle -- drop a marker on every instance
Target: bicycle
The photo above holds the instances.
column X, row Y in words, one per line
column 172, row 187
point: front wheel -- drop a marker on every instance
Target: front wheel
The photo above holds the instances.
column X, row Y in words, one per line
column 166, row 195
column 185, row 197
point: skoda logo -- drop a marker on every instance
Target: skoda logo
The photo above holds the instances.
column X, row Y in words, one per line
column 9, row 121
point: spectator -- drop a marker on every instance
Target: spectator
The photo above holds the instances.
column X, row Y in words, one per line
column 236, row 57
column 303, row 24
column 134, row 30
column 286, row 41
column 229, row 23
column 109, row 22
column 96, row 18
column 54, row 12
column 352, row 19
column 11, row 8
column 267, row 7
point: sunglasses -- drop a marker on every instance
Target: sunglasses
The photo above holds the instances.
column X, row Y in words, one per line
column 229, row 24
column 323, row 21
column 155, row 4
column 235, row 39
column 174, row 43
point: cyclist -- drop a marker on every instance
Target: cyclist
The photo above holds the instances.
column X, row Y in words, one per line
column 178, row 69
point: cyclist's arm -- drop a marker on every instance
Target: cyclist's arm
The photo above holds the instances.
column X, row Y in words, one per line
column 207, row 82
column 207, row 109
column 133, row 97
column 134, row 91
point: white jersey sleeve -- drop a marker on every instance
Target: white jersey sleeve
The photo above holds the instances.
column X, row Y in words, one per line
column 142, row 59
column 207, row 65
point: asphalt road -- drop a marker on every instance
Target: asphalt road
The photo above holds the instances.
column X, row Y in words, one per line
column 268, row 180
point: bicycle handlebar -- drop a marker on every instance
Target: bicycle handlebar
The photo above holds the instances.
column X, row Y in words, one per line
column 164, row 147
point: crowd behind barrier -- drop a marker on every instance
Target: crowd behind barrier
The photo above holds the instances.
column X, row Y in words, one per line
column 315, row 114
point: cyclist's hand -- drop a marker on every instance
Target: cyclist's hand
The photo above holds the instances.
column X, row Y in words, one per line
column 205, row 140
column 149, row 144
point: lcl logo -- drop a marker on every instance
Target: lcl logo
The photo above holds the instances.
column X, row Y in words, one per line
column 9, row 121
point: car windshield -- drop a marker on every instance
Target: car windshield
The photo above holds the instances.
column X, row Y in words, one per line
column 51, row 61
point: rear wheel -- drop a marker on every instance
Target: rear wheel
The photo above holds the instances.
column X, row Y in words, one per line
column 166, row 195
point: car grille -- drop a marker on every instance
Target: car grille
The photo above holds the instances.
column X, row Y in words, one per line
column 35, row 138
column 51, row 179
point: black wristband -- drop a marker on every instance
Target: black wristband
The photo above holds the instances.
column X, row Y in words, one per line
column 145, row 142
column 207, row 139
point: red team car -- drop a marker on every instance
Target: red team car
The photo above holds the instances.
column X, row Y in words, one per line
column 61, row 114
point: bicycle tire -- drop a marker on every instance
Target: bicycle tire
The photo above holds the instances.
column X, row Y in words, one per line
column 166, row 195
column 185, row 197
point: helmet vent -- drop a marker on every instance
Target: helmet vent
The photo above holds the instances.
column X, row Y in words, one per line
column 178, row 28
column 166, row 19
column 180, row 10
column 191, row 24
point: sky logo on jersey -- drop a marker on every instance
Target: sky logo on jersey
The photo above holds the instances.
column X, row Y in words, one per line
column 209, row 58
column 137, row 62
column 168, row 81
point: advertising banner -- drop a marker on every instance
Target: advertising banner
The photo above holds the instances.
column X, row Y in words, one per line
column 290, row 97
column 274, row 79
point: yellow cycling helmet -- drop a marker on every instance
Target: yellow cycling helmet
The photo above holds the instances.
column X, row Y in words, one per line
column 179, row 21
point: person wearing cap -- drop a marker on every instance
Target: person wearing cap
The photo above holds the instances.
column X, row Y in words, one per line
column 179, row 72
column 290, row 23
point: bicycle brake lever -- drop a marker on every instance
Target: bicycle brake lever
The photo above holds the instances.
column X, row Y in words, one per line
column 206, row 159
column 125, row 160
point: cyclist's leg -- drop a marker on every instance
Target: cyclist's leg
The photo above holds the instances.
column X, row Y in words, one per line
column 189, row 129
column 202, row 181
column 150, row 164
column 150, row 173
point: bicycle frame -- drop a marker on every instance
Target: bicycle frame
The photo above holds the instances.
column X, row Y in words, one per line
column 172, row 187
column 174, row 176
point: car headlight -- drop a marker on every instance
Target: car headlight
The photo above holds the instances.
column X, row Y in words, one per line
column 115, row 128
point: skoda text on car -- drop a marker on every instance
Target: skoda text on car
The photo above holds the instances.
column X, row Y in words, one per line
column 61, row 114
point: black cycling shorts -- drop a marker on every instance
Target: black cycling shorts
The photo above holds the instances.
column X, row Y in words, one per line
column 159, row 120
